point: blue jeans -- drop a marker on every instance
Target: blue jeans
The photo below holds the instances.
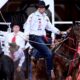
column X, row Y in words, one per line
column 43, row 50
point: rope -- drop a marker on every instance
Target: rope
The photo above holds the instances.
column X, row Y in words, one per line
column 71, row 38
column 2, row 16
column 72, row 60
column 46, row 43
column 42, row 43
column 59, row 45
column 38, row 42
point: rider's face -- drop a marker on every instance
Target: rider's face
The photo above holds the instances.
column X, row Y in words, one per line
column 16, row 28
column 41, row 10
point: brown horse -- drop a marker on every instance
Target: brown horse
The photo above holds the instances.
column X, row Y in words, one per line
column 63, row 60
column 67, row 59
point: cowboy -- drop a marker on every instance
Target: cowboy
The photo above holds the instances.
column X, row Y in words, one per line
column 9, row 59
column 16, row 53
column 34, row 28
column 16, row 36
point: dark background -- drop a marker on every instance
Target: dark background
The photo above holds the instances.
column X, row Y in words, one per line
column 17, row 11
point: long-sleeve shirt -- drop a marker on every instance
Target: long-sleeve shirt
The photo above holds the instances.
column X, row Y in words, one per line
column 18, row 55
column 20, row 41
column 37, row 23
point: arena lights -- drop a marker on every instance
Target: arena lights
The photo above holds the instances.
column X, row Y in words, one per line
column 2, row 3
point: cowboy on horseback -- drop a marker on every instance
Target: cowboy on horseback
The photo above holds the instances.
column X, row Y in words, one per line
column 34, row 28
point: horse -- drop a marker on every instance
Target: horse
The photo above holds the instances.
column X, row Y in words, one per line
column 6, row 68
column 67, row 59
column 64, row 60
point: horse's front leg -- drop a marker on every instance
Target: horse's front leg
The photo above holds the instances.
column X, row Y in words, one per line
column 58, row 72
